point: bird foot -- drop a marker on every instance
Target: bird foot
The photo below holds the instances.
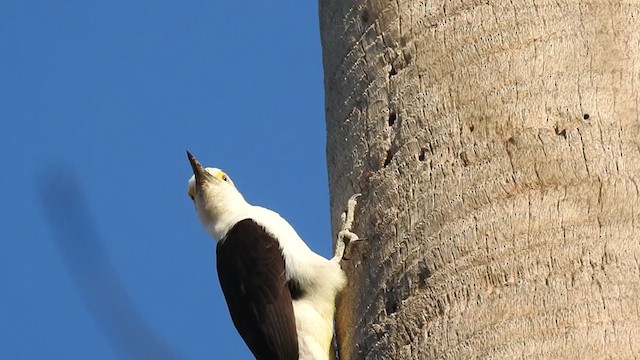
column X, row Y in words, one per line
column 345, row 235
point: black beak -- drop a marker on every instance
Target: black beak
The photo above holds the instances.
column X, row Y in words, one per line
column 200, row 173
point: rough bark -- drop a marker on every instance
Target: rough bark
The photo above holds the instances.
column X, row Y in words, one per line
column 496, row 144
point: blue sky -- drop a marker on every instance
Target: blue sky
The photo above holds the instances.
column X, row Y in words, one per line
column 98, row 102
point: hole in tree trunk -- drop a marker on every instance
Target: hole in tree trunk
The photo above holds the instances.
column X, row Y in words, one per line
column 423, row 154
column 391, row 306
column 393, row 71
column 392, row 117
column 388, row 159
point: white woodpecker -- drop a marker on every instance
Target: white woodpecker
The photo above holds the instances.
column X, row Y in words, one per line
column 280, row 294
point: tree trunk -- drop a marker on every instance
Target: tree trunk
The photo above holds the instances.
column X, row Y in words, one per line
column 496, row 144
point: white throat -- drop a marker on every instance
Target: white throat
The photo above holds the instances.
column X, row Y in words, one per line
column 221, row 211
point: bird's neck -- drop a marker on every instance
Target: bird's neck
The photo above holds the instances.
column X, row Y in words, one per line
column 220, row 217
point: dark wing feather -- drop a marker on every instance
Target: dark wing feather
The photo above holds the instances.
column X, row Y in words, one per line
column 251, row 273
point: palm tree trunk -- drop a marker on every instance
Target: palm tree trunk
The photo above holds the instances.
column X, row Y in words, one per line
column 496, row 144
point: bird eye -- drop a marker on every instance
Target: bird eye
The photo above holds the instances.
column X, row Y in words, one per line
column 225, row 178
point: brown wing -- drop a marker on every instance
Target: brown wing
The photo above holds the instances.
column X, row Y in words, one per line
column 251, row 273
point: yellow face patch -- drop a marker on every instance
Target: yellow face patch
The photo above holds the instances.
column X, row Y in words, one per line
column 215, row 173
column 220, row 175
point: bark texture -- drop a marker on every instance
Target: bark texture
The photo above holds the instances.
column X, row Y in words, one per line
column 496, row 144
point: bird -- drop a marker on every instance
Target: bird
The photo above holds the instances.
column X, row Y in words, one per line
column 280, row 294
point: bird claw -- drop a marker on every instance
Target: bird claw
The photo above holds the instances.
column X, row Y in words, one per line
column 345, row 235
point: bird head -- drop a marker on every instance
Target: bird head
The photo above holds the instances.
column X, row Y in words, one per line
column 215, row 197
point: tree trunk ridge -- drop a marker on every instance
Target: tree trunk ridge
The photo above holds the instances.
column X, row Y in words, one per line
column 496, row 145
